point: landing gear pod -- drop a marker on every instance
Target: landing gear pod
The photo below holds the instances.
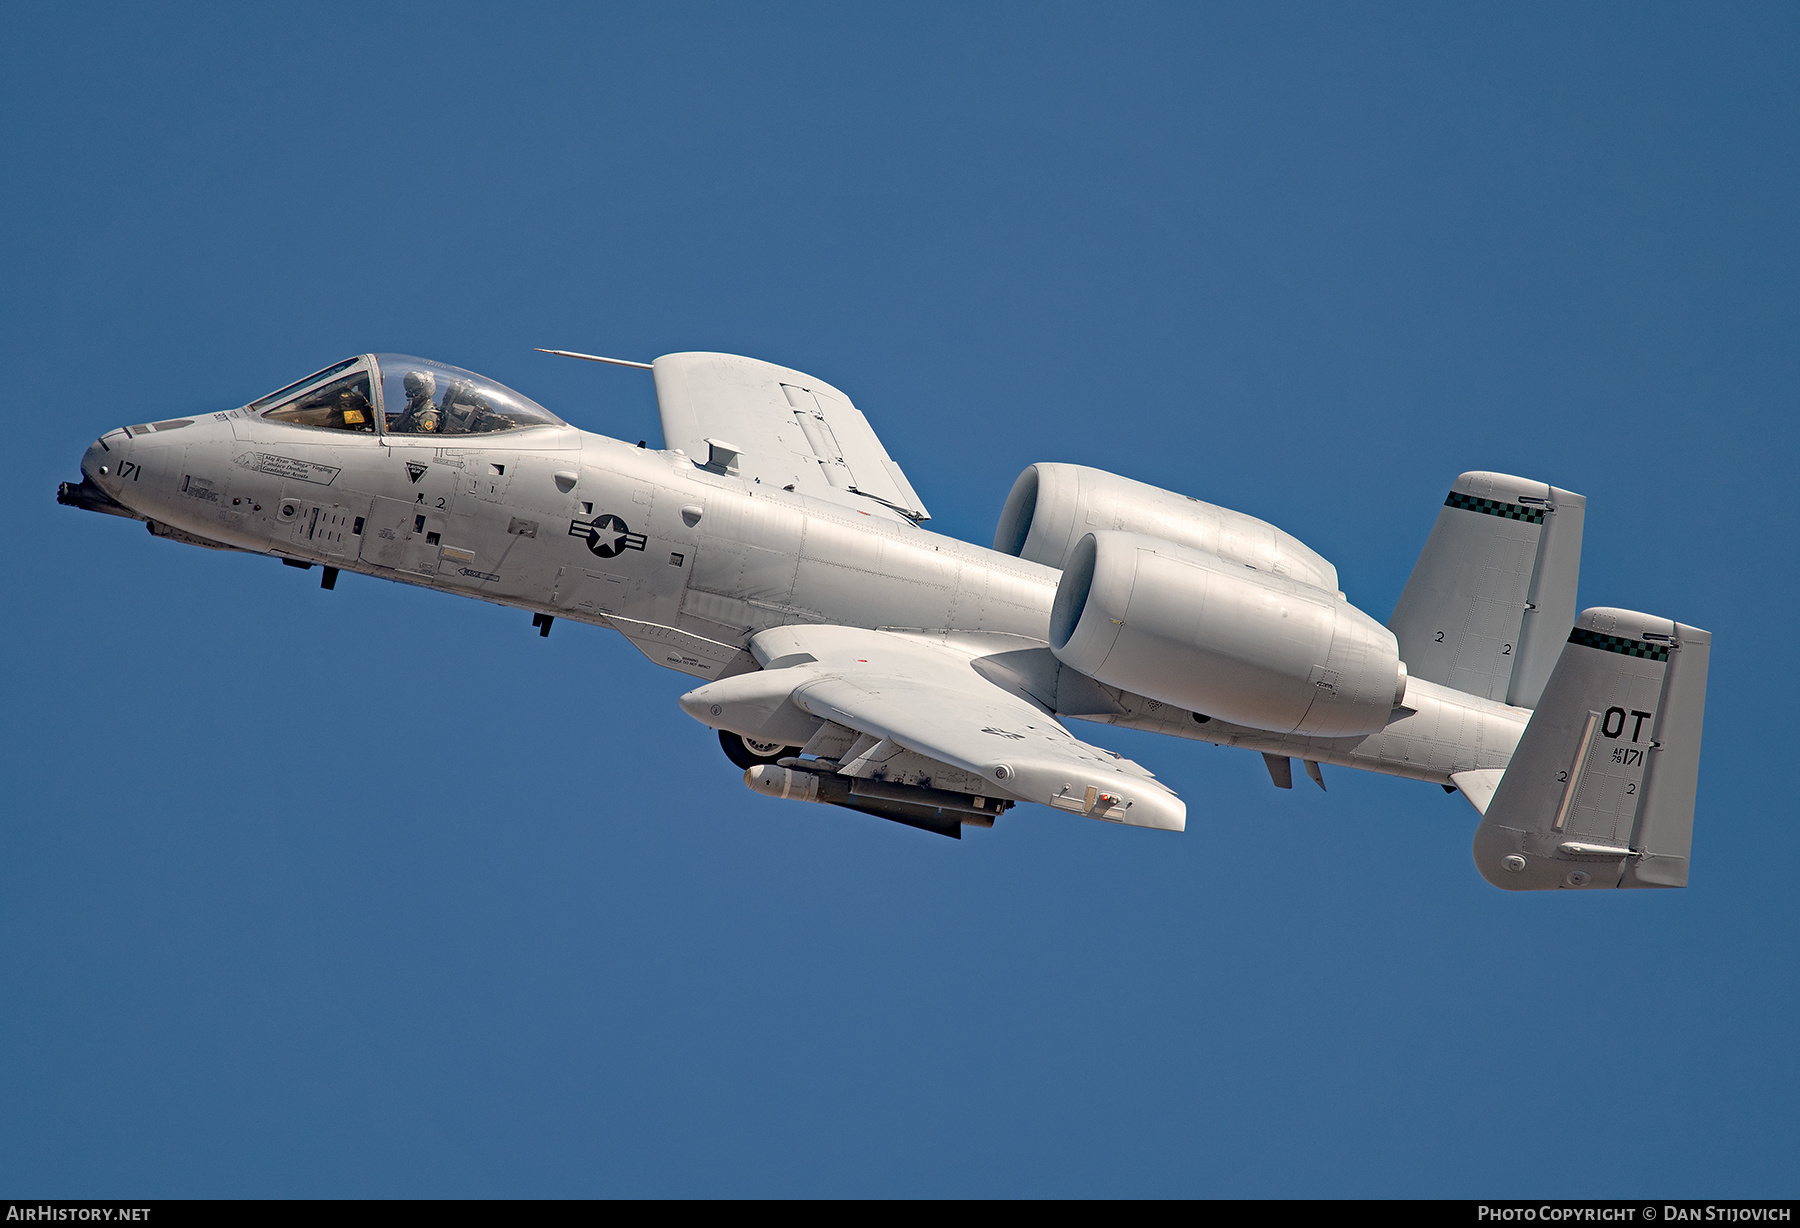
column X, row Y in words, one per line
column 748, row 752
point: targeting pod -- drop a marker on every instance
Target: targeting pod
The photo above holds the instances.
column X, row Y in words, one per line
column 928, row 809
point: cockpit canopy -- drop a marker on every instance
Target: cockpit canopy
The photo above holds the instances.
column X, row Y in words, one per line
column 396, row 394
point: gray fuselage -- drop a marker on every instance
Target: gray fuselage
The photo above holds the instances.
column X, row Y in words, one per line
column 688, row 562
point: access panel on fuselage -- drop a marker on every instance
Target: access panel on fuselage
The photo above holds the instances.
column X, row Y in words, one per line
column 403, row 536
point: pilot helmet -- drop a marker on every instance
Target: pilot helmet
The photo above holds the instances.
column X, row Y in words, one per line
column 419, row 384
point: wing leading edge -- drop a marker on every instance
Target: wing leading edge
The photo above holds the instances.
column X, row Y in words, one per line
column 780, row 427
column 923, row 693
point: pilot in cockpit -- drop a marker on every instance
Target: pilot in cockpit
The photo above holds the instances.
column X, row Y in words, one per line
column 467, row 411
column 421, row 415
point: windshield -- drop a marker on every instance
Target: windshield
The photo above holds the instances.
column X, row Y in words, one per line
column 262, row 403
column 421, row 397
column 342, row 405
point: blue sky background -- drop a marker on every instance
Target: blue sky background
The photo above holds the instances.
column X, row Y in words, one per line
column 374, row 892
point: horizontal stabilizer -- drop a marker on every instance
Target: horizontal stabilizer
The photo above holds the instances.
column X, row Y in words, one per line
column 1600, row 792
column 1478, row 785
column 1493, row 593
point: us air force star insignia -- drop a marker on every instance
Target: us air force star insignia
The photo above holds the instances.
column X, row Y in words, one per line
column 606, row 535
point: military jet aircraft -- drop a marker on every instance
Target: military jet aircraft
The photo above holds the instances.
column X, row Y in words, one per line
column 852, row 657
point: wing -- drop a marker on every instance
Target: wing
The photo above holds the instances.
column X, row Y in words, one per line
column 924, row 693
column 780, row 427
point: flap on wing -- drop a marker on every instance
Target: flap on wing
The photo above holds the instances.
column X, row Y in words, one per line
column 785, row 429
column 926, row 695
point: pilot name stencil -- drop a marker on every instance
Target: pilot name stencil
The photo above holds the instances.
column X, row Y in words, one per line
column 606, row 535
column 288, row 467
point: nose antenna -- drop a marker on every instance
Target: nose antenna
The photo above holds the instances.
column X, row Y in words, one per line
column 617, row 362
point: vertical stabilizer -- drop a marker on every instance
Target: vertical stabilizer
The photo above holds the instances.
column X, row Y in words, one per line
column 1492, row 596
column 1600, row 792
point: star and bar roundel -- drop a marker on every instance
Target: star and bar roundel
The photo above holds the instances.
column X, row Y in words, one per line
column 606, row 535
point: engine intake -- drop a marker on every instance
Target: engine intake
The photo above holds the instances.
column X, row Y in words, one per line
column 1223, row 638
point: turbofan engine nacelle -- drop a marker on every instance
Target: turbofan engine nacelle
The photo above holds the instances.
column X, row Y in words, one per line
column 1222, row 638
column 1051, row 507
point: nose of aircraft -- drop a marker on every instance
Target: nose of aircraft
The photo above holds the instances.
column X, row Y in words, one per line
column 105, row 468
column 100, row 462
column 111, row 462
